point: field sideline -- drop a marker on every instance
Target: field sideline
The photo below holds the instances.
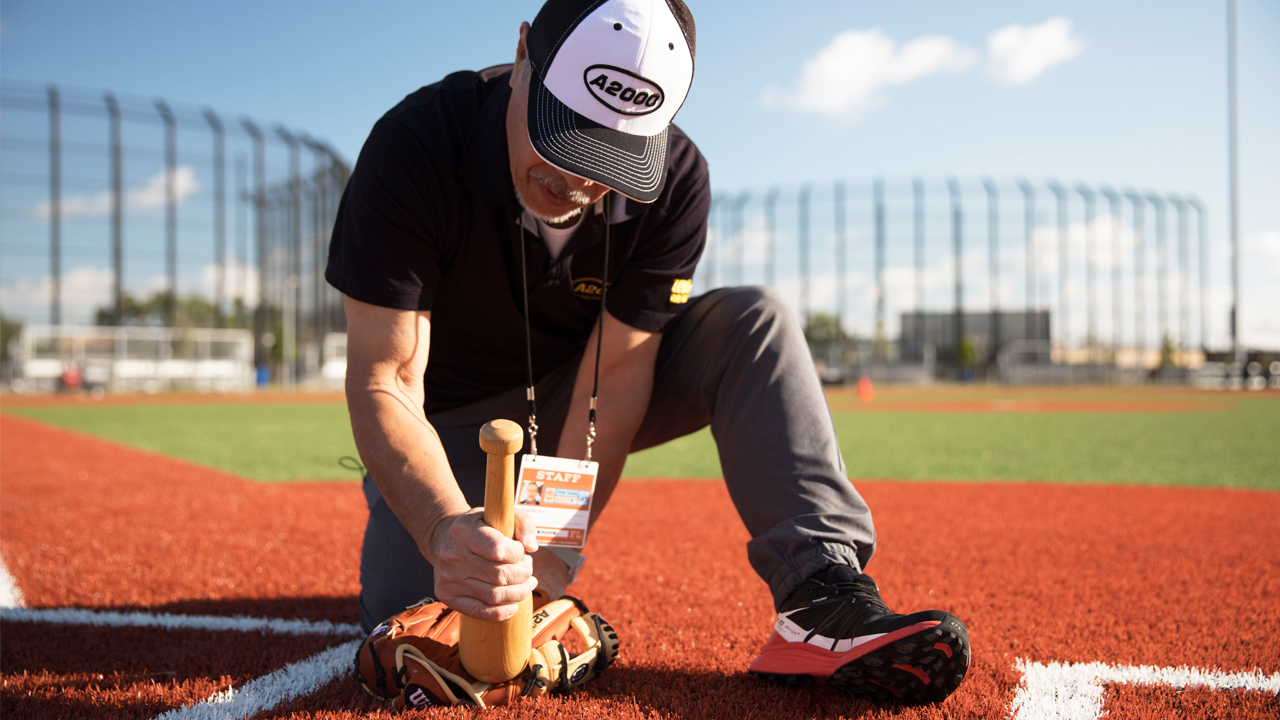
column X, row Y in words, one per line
column 1129, row 569
column 1085, row 435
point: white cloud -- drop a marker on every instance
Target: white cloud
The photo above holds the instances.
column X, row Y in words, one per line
column 848, row 76
column 144, row 197
column 1018, row 54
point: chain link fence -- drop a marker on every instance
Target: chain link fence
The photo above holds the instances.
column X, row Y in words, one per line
column 127, row 211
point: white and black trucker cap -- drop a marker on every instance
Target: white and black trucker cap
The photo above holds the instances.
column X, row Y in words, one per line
column 608, row 77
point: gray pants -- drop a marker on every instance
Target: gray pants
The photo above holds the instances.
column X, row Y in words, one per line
column 734, row 358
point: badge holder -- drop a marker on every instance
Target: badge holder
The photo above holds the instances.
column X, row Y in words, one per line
column 556, row 492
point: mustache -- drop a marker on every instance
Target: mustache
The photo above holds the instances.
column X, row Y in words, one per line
column 557, row 184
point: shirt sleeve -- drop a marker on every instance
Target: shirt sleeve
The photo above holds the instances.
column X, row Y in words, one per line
column 386, row 243
column 657, row 279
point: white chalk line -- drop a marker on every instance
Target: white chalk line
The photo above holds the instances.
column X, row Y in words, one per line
column 1074, row 691
column 10, row 595
column 166, row 621
column 269, row 691
column 258, row 695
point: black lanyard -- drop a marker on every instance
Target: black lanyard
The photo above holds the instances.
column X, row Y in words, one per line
column 528, row 343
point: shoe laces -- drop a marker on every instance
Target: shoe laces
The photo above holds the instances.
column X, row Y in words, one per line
column 853, row 603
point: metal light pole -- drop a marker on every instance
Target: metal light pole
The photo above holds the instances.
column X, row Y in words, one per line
column 170, row 209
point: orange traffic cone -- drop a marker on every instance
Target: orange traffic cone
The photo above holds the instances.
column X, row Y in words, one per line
column 866, row 393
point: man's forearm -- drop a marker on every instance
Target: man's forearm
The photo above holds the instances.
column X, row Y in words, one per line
column 405, row 459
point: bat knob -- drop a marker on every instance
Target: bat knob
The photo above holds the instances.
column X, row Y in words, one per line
column 501, row 437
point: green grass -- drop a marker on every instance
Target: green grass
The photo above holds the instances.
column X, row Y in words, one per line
column 1212, row 449
column 262, row 441
column 1233, row 448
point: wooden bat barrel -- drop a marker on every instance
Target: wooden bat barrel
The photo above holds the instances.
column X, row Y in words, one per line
column 498, row 651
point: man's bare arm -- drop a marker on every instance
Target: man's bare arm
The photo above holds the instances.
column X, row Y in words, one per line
column 478, row 572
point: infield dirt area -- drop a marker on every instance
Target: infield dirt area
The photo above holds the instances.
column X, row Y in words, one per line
column 1040, row 573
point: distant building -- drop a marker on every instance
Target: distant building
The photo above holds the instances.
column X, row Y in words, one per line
column 938, row 329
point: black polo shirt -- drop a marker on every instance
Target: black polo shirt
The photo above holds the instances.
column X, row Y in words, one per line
column 430, row 221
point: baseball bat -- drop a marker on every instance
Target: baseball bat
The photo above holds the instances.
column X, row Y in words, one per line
column 498, row 651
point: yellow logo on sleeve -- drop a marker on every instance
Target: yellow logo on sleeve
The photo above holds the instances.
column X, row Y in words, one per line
column 680, row 290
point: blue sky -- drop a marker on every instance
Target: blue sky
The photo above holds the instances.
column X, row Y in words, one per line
column 1130, row 94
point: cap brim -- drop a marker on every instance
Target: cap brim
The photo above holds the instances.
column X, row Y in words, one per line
column 633, row 165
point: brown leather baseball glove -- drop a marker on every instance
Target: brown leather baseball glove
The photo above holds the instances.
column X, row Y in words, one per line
column 412, row 658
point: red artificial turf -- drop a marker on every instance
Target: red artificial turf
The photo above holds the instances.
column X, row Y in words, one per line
column 1124, row 575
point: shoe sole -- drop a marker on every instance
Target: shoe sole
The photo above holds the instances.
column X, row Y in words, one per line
column 924, row 666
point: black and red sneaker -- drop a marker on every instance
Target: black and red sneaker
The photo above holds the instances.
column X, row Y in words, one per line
column 835, row 627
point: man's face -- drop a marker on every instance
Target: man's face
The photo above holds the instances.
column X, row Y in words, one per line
column 551, row 194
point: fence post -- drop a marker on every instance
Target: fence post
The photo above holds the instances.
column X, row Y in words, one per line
column 170, row 210
column 117, row 208
column 1184, row 264
column 917, row 194
column 957, row 241
column 1202, row 238
column 804, row 253
column 740, row 234
column 219, row 215
column 1060, row 193
column 1113, row 203
column 1162, row 265
column 771, row 224
column 838, row 210
column 242, row 230
column 878, row 194
column 1090, row 267
column 1139, row 273
column 293, row 274
column 1029, row 218
column 993, row 235
column 1238, row 353
column 55, row 206
column 261, row 353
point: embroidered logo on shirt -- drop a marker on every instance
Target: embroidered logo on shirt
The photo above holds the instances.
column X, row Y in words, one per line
column 680, row 290
column 587, row 288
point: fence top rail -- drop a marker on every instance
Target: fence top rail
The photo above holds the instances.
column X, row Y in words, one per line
column 27, row 95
